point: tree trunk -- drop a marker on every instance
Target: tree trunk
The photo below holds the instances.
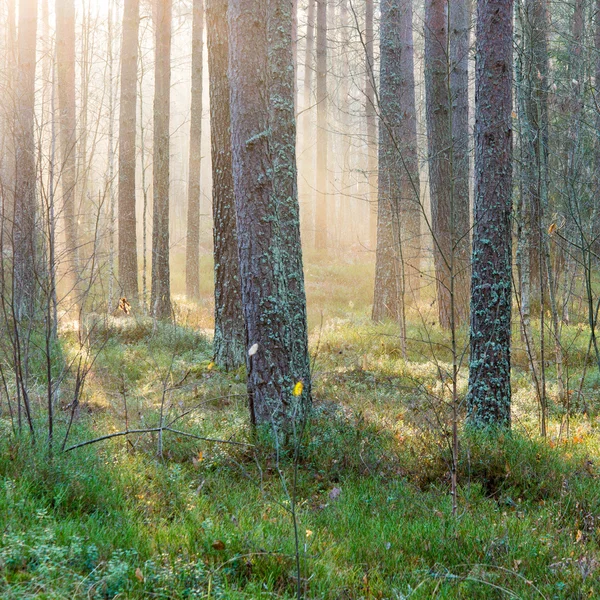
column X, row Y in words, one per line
column 370, row 115
column 489, row 395
column 265, row 248
column 128, row 262
column 230, row 335
column 192, row 248
column 398, row 237
column 321, row 224
column 24, row 230
column 160, row 296
column 65, row 57
column 446, row 84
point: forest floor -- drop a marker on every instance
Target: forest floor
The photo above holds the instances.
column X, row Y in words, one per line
column 371, row 491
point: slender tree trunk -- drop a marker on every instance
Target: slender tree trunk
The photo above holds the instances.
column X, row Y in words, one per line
column 230, row 335
column 321, row 224
column 398, row 237
column 65, row 55
column 489, row 395
column 24, row 229
column 370, row 115
column 192, row 249
column 266, row 253
column 127, row 242
column 446, row 83
column 160, row 296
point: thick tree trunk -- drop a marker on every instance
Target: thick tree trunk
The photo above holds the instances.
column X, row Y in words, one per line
column 285, row 187
column 160, row 297
column 24, row 229
column 262, row 222
column 321, row 224
column 489, row 395
column 398, row 238
column 230, row 335
column 446, row 83
column 128, row 262
column 370, row 115
column 65, row 58
column 192, row 248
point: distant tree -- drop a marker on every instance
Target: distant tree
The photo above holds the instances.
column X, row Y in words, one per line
column 65, row 59
column 24, row 229
column 399, row 213
column 370, row 115
column 489, row 394
column 321, row 216
column 127, row 241
column 447, row 112
column 230, row 334
column 192, row 247
column 266, row 249
column 160, row 296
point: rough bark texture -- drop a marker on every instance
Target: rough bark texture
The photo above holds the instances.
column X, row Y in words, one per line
column 370, row 115
column 321, row 233
column 285, row 187
column 160, row 298
column 192, row 248
column 24, row 230
column 489, row 395
column 262, row 245
column 128, row 263
column 446, row 83
column 398, row 236
column 65, row 58
column 230, row 336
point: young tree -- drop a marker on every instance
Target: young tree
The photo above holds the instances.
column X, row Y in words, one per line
column 399, row 213
column 192, row 247
column 266, row 249
column 489, row 395
column 446, row 84
column 65, row 59
column 128, row 264
column 160, row 295
column 230, row 335
column 321, row 225
column 24, row 229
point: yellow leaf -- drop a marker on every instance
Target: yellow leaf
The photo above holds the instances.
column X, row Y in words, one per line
column 579, row 536
column 308, row 533
column 298, row 388
column 210, row 366
column 552, row 228
column 514, row 114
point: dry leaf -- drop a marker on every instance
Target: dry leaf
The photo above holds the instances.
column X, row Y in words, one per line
column 218, row 545
column 139, row 575
column 552, row 228
column 253, row 350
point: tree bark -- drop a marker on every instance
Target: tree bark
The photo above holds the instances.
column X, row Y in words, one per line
column 321, row 224
column 446, row 83
column 127, row 242
column 370, row 115
column 192, row 249
column 399, row 213
column 489, row 395
column 261, row 219
column 65, row 58
column 24, row 229
column 160, row 296
column 230, row 335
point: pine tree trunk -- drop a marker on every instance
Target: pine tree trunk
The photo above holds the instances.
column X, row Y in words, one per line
column 160, row 297
column 398, row 237
column 264, row 267
column 24, row 229
column 370, row 115
column 65, row 57
column 321, row 224
column 446, row 83
column 489, row 395
column 192, row 263
column 230, row 335
column 127, row 240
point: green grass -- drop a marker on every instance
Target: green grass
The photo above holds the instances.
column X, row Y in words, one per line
column 374, row 510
